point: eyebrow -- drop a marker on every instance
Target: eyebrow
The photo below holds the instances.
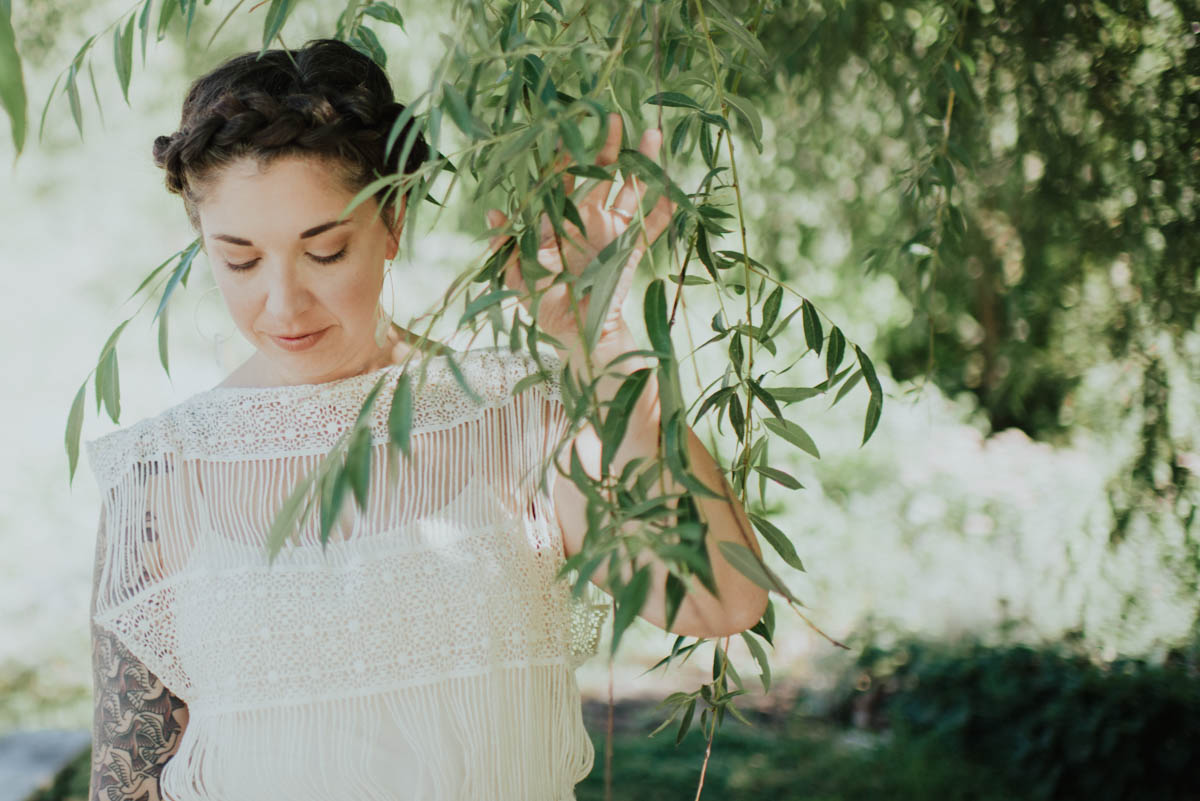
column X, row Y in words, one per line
column 311, row 232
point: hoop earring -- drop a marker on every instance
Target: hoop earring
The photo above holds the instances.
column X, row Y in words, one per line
column 216, row 339
column 384, row 318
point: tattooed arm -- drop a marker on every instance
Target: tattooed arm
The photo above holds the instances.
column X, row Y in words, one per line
column 137, row 722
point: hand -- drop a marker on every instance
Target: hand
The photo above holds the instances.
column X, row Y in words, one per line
column 556, row 314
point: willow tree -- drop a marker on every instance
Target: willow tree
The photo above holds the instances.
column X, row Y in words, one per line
column 519, row 83
column 1042, row 170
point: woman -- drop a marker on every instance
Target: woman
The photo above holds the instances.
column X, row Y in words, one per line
column 424, row 652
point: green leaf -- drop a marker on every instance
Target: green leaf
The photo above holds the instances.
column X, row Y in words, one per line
column 12, row 82
column 868, row 369
column 162, row 342
column 179, row 274
column 764, row 396
column 616, row 421
column 765, row 628
column 123, row 55
column 675, row 443
column 164, row 17
column 793, row 434
column 191, row 15
column 846, row 387
column 73, row 98
column 144, row 26
column 728, row 22
column 358, row 465
column 777, row 539
column 716, row 399
column 745, row 108
column 634, row 162
column 364, row 411
column 456, row 371
column 654, row 308
column 74, row 427
column 95, row 91
column 604, row 273
column 812, row 326
column 286, row 519
column 680, row 132
column 455, row 105
column 675, row 99
column 837, row 349
column 760, row 656
column 151, row 275
column 746, row 562
column 277, row 15
column 590, row 171
column 544, row 18
column 736, row 418
column 385, row 12
column 401, row 414
column 110, row 387
column 875, row 404
column 374, row 50
column 484, row 301
column 105, row 373
column 793, row 394
column 686, row 722
column 736, row 355
column 333, row 494
column 771, row 311
column 630, row 599
column 674, row 593
column 874, row 409
column 779, row 476
column 111, row 342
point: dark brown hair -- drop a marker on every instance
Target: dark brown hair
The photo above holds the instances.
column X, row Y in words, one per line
column 325, row 100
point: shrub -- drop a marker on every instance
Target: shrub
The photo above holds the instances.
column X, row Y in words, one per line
column 1052, row 721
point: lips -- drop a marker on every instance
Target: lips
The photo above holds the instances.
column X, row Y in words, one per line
column 300, row 342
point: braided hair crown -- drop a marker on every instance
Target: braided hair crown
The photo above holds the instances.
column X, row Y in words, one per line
column 325, row 99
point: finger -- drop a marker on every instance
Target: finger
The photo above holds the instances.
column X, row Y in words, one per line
column 495, row 219
column 612, row 143
column 632, row 190
column 598, row 196
column 513, row 278
column 560, row 165
column 658, row 219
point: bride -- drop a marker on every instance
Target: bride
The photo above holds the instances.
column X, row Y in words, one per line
column 426, row 650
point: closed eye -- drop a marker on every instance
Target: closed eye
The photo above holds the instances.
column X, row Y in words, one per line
column 319, row 259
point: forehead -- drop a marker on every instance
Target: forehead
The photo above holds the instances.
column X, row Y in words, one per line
column 286, row 195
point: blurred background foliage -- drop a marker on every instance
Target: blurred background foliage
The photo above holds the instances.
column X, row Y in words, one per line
column 999, row 200
column 1040, row 223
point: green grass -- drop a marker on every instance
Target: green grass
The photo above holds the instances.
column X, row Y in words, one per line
column 800, row 760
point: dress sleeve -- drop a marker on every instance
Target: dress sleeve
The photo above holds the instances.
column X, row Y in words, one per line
column 140, row 552
column 589, row 610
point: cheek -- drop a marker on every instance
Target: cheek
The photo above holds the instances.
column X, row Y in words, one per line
column 353, row 297
column 241, row 305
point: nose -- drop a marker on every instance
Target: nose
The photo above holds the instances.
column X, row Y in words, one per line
column 288, row 296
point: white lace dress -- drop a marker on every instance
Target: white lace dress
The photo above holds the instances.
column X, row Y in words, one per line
column 428, row 653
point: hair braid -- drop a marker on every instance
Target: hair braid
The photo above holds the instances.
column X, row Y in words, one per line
column 331, row 102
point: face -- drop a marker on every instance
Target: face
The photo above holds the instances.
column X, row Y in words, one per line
column 302, row 287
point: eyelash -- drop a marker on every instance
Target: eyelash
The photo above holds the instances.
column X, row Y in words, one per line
column 320, row 259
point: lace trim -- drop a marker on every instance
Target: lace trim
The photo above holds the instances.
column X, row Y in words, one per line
column 266, row 422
